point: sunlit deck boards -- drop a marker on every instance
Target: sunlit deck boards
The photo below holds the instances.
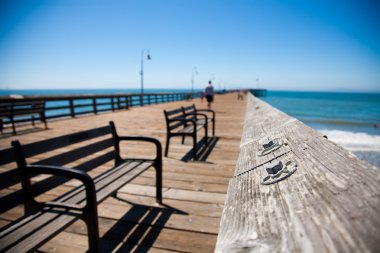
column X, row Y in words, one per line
column 194, row 192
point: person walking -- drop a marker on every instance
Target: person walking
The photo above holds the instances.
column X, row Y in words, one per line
column 209, row 93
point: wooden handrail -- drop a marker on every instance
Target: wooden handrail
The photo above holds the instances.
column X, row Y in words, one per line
column 328, row 200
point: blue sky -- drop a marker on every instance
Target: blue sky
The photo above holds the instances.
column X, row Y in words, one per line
column 281, row 45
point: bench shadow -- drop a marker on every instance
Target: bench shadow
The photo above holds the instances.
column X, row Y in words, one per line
column 19, row 132
column 203, row 150
column 138, row 229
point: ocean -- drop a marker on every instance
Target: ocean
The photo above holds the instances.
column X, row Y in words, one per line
column 86, row 91
column 351, row 120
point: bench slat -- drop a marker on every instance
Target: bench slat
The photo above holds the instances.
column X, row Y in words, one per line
column 117, row 182
column 172, row 112
column 190, row 129
column 112, row 178
column 176, row 125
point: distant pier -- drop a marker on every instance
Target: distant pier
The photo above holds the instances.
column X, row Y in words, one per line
column 259, row 92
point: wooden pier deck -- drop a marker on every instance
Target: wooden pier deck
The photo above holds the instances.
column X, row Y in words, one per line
column 194, row 192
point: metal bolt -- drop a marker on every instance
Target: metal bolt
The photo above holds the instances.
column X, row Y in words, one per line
column 273, row 167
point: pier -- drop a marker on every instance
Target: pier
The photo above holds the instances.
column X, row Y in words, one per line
column 193, row 191
column 265, row 183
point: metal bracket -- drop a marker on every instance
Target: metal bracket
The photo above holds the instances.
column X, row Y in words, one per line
column 277, row 171
column 270, row 146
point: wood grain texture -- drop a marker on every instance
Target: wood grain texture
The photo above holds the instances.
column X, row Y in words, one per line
column 330, row 204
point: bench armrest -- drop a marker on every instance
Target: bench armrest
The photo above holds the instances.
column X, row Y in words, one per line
column 197, row 114
column 144, row 139
column 207, row 110
column 70, row 173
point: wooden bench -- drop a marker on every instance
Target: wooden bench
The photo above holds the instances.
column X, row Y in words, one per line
column 178, row 125
column 18, row 111
column 190, row 112
column 44, row 220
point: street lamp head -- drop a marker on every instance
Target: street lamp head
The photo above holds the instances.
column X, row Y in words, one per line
column 148, row 57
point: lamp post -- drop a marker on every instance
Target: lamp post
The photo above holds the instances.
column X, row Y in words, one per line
column 192, row 80
column 142, row 66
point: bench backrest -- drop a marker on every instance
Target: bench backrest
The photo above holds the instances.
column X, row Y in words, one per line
column 21, row 108
column 189, row 112
column 85, row 150
column 5, row 109
column 172, row 118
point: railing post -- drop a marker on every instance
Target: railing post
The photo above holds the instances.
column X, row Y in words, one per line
column 118, row 103
column 94, row 105
column 112, row 104
column 141, row 100
column 72, row 111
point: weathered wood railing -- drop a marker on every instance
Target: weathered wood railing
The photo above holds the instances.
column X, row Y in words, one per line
column 59, row 106
column 331, row 203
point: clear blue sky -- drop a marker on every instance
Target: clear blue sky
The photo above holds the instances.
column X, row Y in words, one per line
column 282, row 45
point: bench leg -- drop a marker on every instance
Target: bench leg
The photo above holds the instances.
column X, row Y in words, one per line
column 91, row 220
column 43, row 118
column 183, row 139
column 13, row 127
column 213, row 127
column 159, row 183
column 93, row 238
column 167, row 145
column 90, row 217
column 206, row 134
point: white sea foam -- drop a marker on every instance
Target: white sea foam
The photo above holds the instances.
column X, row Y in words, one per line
column 354, row 141
column 364, row 146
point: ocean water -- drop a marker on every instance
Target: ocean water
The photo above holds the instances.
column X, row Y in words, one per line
column 349, row 119
column 86, row 91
